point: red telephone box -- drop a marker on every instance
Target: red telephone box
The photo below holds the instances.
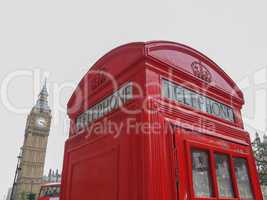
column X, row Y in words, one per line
column 157, row 121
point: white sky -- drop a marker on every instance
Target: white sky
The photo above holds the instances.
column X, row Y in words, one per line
column 64, row 38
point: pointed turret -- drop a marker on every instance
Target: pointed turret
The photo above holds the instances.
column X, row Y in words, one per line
column 265, row 152
column 42, row 102
column 264, row 139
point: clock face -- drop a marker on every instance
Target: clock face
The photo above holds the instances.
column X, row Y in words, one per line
column 41, row 122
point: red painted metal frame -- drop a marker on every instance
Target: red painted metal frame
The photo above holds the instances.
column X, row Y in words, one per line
column 154, row 166
column 211, row 150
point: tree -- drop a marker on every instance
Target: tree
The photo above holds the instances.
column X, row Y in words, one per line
column 260, row 153
column 23, row 196
column 30, row 196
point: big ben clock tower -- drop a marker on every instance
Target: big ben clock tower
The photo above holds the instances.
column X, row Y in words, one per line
column 33, row 151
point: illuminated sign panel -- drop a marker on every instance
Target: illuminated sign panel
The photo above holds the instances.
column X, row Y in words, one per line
column 105, row 106
column 200, row 102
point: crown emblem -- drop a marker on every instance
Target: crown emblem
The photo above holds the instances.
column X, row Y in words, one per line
column 99, row 77
column 201, row 71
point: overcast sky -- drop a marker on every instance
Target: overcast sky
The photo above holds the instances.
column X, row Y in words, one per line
column 62, row 39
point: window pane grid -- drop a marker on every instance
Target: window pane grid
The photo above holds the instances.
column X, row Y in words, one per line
column 243, row 180
column 223, row 175
column 219, row 175
column 202, row 182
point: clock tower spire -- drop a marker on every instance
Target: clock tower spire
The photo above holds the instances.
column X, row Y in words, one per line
column 42, row 102
column 32, row 159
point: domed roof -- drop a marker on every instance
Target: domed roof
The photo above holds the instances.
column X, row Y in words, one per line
column 181, row 57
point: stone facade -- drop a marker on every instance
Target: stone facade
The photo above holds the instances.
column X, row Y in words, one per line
column 33, row 151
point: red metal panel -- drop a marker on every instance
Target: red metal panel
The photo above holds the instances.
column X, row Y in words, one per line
column 103, row 172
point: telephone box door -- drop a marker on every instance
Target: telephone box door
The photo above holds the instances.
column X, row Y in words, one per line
column 210, row 168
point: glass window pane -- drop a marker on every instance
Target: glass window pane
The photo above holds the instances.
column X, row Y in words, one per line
column 243, row 181
column 201, row 174
column 224, row 178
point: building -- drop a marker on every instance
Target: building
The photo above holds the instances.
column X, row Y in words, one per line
column 9, row 194
column 52, row 177
column 30, row 168
column 265, row 147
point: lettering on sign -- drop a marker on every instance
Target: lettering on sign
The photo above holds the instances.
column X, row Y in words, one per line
column 105, row 106
column 197, row 101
